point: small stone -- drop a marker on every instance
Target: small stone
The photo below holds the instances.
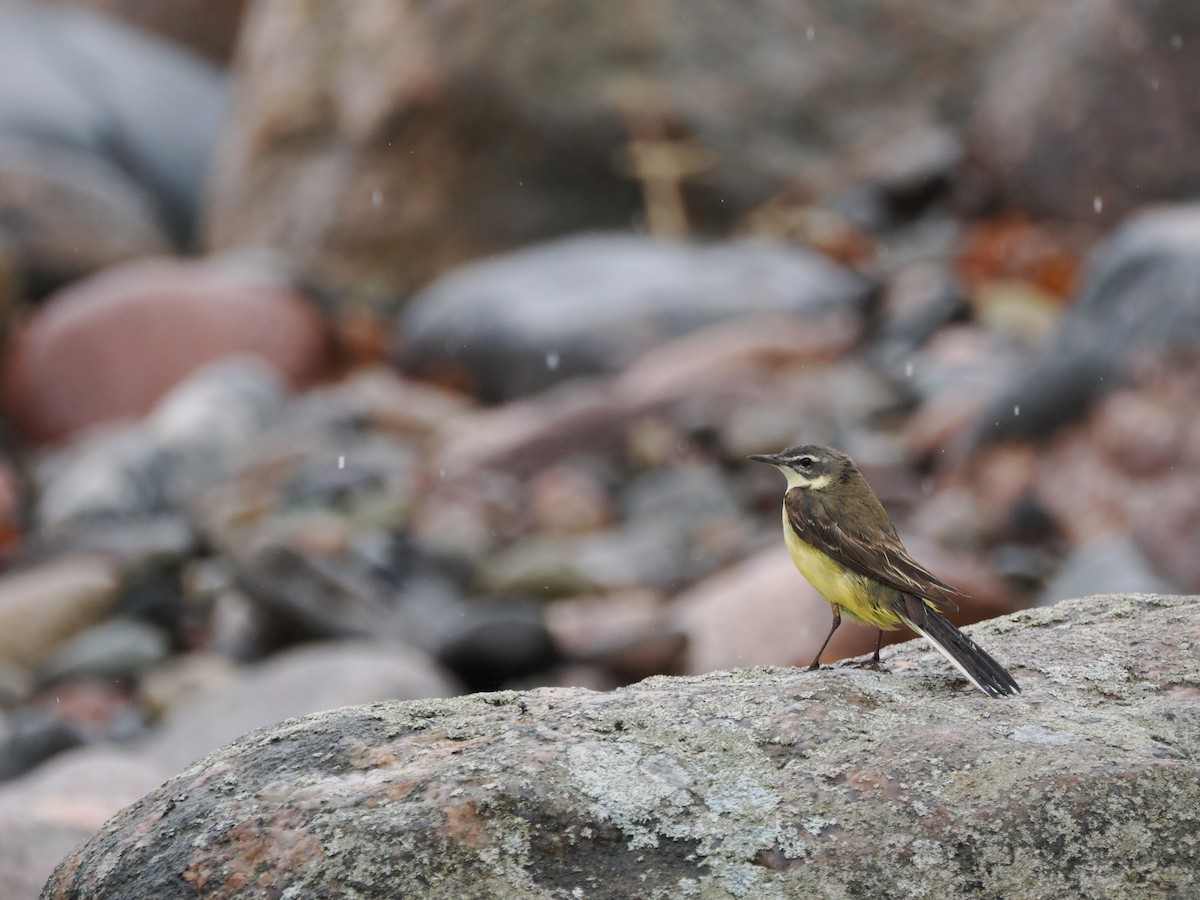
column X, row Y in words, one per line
column 80, row 215
column 1112, row 566
column 566, row 499
column 136, row 331
column 495, row 642
column 64, row 801
column 912, row 168
column 41, row 607
column 626, row 632
column 305, row 679
column 397, row 404
column 1139, row 433
column 169, row 687
column 32, row 738
column 595, row 303
column 15, row 685
column 760, row 612
column 120, row 98
column 119, row 649
column 109, row 473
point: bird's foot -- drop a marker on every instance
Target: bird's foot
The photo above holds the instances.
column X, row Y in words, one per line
column 871, row 663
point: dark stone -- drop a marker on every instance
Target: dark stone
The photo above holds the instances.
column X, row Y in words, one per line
column 496, row 642
column 1137, row 312
column 71, row 79
column 587, row 305
column 34, row 738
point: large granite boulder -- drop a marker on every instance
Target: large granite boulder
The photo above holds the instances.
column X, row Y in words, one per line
column 771, row 783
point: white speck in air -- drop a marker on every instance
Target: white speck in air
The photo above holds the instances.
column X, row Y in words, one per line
column 377, row 197
column 1097, row 204
column 810, row 33
column 1154, row 84
column 1016, row 410
column 1176, row 41
column 442, row 474
column 341, row 462
column 551, row 361
column 908, row 370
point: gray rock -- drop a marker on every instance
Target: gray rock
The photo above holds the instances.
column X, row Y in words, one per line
column 44, row 605
column 773, row 783
column 666, row 551
column 66, row 214
column 1138, row 308
column 15, row 684
column 31, row 738
column 140, row 543
column 496, row 642
column 194, row 436
column 219, row 409
column 519, row 323
column 116, row 649
column 115, row 472
column 304, row 679
column 73, row 79
column 313, row 596
column 210, row 28
column 1115, row 564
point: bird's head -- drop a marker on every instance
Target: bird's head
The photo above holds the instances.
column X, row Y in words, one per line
column 811, row 466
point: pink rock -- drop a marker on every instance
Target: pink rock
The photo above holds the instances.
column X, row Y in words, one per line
column 566, row 499
column 112, row 345
column 50, row 810
column 761, row 612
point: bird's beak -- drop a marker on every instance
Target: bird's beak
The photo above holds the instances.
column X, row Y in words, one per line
column 767, row 458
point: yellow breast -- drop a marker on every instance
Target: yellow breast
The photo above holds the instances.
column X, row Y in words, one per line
column 857, row 595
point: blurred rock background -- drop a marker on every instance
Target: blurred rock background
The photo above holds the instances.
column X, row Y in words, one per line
column 371, row 350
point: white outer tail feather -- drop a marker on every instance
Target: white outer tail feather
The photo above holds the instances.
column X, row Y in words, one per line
column 946, row 653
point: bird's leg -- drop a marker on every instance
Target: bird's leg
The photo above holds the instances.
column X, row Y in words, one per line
column 873, row 662
column 837, row 620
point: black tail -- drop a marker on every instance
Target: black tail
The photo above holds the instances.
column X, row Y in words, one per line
column 971, row 659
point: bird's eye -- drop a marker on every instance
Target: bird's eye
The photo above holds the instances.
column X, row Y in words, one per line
column 805, row 462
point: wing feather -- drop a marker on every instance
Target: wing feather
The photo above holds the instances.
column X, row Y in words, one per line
column 883, row 559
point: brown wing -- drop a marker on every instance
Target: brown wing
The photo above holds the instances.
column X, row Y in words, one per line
column 879, row 555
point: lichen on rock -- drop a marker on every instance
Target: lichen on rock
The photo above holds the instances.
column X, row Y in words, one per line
column 755, row 783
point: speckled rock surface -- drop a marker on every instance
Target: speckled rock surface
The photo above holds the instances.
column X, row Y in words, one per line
column 762, row 783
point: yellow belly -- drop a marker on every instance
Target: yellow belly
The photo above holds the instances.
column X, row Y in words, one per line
column 859, row 597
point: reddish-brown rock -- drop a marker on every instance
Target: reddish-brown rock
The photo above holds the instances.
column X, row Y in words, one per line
column 111, row 346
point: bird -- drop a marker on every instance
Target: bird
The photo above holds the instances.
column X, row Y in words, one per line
column 842, row 540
